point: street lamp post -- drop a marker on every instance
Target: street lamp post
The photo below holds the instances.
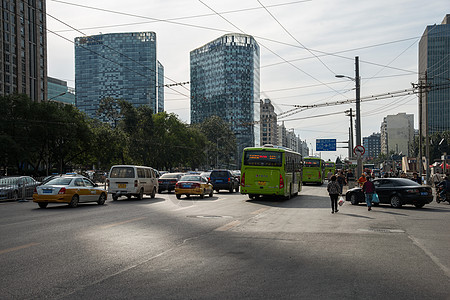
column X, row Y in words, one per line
column 357, row 81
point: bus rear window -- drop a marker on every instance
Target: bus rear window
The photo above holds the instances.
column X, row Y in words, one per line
column 122, row 172
column 263, row 158
column 315, row 163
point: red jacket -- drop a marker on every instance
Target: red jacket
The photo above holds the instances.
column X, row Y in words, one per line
column 368, row 187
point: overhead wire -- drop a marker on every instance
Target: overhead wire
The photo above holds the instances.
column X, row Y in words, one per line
column 293, row 37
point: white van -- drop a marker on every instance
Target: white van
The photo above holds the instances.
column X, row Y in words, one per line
column 127, row 180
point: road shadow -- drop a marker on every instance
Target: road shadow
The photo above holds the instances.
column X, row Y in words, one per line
column 145, row 200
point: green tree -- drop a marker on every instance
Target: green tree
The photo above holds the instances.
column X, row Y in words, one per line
column 221, row 144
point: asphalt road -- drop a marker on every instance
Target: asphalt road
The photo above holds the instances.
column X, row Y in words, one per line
column 224, row 247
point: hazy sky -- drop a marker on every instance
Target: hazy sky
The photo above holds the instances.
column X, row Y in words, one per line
column 304, row 44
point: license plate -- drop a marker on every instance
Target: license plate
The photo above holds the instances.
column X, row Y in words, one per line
column 219, row 180
column 261, row 182
column 46, row 191
column 186, row 186
column 424, row 193
column 122, row 185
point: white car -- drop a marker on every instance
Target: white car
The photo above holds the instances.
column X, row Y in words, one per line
column 128, row 180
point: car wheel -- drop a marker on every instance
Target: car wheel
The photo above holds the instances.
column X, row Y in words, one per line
column 140, row 196
column 153, row 193
column 178, row 196
column 211, row 193
column 15, row 196
column 159, row 191
column 396, row 201
column 217, row 191
column 115, row 197
column 74, row 202
column 202, row 195
column 354, row 199
column 187, row 195
column 42, row 205
column 237, row 190
column 230, row 189
column 101, row 199
column 419, row 205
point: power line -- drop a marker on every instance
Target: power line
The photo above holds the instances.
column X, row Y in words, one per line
column 185, row 18
column 294, row 38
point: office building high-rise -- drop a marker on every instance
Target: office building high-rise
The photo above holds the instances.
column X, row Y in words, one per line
column 397, row 133
column 269, row 128
column 434, row 71
column 118, row 65
column 23, row 40
column 372, row 145
column 58, row 91
column 225, row 82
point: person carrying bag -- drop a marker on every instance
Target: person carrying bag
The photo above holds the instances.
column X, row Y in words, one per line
column 369, row 190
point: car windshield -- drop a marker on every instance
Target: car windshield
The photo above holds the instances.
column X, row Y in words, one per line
column 219, row 174
column 59, row 181
column 405, row 182
column 169, row 176
column 122, row 172
column 191, row 178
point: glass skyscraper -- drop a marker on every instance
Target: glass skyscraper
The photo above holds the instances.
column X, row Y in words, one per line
column 434, row 71
column 118, row 65
column 225, row 82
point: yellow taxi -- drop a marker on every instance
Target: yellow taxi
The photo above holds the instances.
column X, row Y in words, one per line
column 193, row 185
column 72, row 189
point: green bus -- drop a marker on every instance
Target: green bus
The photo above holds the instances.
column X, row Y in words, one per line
column 271, row 171
column 313, row 170
column 330, row 166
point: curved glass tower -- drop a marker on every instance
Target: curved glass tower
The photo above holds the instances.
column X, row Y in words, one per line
column 225, row 82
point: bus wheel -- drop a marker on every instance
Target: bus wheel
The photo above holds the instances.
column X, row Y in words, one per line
column 251, row 196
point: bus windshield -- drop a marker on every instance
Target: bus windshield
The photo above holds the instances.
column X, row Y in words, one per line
column 329, row 165
column 314, row 163
column 263, row 158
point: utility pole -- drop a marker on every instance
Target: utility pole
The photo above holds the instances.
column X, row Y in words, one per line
column 358, row 114
column 350, row 137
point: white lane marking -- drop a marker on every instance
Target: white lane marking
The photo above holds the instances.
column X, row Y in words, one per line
column 432, row 256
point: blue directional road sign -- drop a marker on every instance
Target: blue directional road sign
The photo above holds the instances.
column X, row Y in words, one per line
column 325, row 144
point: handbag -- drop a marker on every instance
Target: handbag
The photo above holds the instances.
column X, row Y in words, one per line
column 375, row 198
column 341, row 201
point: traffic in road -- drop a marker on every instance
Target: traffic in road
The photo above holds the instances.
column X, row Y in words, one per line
column 224, row 246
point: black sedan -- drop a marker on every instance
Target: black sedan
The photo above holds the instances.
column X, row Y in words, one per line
column 395, row 191
column 167, row 181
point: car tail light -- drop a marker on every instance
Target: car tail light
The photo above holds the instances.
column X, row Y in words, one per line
column 243, row 179
column 159, row 181
column 35, row 191
column 229, row 179
column 281, row 181
column 135, row 183
column 62, row 191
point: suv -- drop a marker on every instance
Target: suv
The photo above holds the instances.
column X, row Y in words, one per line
column 224, row 180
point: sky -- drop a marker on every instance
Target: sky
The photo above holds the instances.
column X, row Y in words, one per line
column 304, row 44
